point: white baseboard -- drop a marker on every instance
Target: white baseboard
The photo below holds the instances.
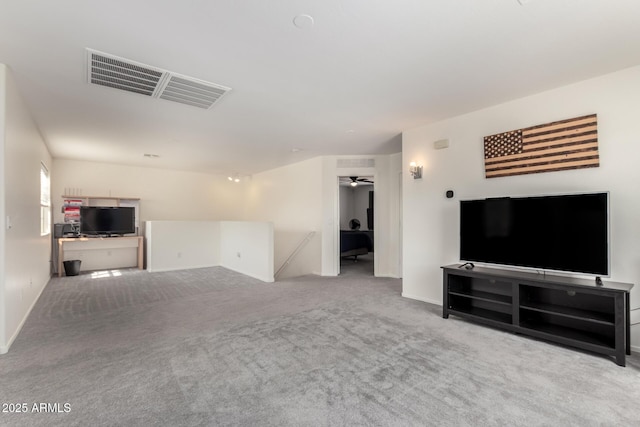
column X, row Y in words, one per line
column 263, row 279
column 5, row 348
column 430, row 301
column 186, row 267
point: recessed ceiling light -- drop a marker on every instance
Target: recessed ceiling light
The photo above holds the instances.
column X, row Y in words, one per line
column 351, row 131
column 234, row 178
column 302, row 21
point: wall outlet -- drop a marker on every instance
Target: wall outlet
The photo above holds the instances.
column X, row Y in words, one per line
column 179, row 254
column 238, row 254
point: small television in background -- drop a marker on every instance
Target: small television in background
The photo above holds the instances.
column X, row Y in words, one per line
column 101, row 220
column 563, row 233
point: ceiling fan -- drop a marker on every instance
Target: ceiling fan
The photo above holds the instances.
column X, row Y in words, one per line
column 354, row 180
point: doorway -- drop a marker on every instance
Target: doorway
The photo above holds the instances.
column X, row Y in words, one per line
column 356, row 225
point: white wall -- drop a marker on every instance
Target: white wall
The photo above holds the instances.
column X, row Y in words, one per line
column 394, row 240
column 431, row 221
column 386, row 175
column 4, row 345
column 354, row 202
column 164, row 194
column 360, row 204
column 25, row 254
column 177, row 245
column 346, row 206
column 290, row 197
column 296, row 198
column 247, row 247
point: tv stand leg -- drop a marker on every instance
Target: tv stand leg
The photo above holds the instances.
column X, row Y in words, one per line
column 445, row 296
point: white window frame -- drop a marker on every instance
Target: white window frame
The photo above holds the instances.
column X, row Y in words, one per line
column 45, row 201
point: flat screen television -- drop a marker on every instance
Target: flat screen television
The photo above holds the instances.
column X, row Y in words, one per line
column 99, row 220
column 563, row 233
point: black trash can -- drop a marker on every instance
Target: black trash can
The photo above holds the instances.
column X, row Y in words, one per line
column 72, row 267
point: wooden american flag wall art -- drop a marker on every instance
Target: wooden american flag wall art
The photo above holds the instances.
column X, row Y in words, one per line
column 563, row 145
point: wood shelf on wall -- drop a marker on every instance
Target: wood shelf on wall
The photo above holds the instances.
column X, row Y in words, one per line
column 99, row 197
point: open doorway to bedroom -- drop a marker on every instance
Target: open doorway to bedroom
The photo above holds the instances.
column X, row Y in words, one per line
column 356, row 207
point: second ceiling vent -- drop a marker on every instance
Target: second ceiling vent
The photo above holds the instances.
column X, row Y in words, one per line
column 119, row 73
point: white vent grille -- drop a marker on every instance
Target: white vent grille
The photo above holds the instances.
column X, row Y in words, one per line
column 119, row 73
column 192, row 92
column 356, row 163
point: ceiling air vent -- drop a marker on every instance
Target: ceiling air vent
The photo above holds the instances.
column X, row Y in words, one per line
column 119, row 73
column 192, row 92
column 356, row 163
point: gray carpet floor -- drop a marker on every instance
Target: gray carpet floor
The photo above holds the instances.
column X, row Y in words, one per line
column 213, row 347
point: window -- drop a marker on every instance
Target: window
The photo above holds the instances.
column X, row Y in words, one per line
column 45, row 201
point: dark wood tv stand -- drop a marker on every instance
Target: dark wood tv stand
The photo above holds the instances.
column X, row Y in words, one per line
column 569, row 311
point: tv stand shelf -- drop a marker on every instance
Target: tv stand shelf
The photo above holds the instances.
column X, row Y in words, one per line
column 569, row 311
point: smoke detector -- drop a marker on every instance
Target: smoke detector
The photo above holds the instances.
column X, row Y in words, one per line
column 119, row 73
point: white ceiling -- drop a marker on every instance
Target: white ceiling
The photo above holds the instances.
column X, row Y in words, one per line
column 350, row 84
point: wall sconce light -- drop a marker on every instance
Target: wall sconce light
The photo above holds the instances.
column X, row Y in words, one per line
column 415, row 170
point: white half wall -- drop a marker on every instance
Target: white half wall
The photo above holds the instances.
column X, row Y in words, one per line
column 25, row 254
column 242, row 246
column 431, row 220
column 178, row 245
column 247, row 247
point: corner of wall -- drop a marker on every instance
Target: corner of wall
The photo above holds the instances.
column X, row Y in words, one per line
column 25, row 253
column 3, row 341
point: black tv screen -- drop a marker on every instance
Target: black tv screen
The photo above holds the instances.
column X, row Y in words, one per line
column 563, row 233
column 107, row 220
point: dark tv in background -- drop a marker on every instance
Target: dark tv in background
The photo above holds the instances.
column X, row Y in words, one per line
column 563, row 233
column 99, row 220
